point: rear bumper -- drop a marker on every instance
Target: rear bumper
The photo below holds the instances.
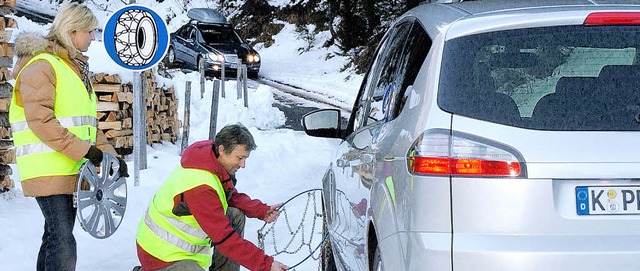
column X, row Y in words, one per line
column 432, row 251
column 549, row 253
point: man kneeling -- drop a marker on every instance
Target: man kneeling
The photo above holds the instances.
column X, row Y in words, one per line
column 186, row 217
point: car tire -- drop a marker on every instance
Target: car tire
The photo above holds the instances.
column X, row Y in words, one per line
column 252, row 75
column 170, row 59
column 327, row 262
column 377, row 260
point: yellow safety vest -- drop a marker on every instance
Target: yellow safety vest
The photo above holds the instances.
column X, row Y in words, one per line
column 169, row 237
column 74, row 108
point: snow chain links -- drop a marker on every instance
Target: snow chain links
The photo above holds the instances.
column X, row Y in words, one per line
column 289, row 248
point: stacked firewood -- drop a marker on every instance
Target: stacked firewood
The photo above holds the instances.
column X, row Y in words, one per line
column 163, row 124
column 7, row 152
column 115, row 111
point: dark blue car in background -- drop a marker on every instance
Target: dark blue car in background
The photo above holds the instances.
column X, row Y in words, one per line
column 208, row 40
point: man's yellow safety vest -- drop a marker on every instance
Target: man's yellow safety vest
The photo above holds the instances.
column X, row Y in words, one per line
column 169, row 237
column 74, row 107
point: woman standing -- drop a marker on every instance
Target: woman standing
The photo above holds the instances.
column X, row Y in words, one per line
column 53, row 120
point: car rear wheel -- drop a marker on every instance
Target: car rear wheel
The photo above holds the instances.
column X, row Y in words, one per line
column 377, row 260
column 327, row 262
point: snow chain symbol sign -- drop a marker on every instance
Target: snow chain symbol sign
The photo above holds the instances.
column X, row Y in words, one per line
column 135, row 37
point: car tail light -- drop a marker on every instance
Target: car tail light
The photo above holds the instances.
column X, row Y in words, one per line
column 437, row 152
column 613, row 18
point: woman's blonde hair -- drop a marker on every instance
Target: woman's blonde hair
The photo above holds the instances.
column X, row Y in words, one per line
column 71, row 18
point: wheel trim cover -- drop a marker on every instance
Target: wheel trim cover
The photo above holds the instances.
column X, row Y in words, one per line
column 101, row 198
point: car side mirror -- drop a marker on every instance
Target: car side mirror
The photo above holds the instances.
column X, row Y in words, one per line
column 190, row 41
column 322, row 123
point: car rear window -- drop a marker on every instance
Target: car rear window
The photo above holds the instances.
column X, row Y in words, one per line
column 569, row 78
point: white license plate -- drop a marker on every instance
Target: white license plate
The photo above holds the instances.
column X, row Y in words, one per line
column 233, row 66
column 607, row 200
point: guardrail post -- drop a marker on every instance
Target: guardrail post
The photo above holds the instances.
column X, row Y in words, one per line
column 187, row 110
column 223, row 74
column 239, row 79
column 214, row 109
column 244, row 86
column 201, row 69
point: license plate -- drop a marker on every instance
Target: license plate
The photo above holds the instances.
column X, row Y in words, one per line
column 233, row 66
column 608, row 200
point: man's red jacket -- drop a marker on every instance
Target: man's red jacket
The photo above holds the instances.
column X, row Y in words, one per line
column 205, row 206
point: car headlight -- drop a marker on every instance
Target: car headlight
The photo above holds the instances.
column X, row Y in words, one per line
column 216, row 57
column 253, row 58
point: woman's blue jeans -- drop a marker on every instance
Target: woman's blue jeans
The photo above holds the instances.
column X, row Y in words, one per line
column 58, row 249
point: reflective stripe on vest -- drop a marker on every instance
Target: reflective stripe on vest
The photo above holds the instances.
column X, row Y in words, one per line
column 172, row 238
column 175, row 240
column 65, row 122
column 74, row 108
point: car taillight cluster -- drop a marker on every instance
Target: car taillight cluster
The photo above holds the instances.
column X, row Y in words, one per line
column 613, row 18
column 436, row 152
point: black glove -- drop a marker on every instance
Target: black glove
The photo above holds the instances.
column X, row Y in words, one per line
column 124, row 172
column 94, row 155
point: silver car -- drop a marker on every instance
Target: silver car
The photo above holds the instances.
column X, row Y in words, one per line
column 491, row 135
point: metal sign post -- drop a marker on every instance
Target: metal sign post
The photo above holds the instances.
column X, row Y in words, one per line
column 139, row 127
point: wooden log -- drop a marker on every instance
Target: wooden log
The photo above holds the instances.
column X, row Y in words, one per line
column 5, row 132
column 5, row 90
column 108, row 106
column 5, row 36
column 5, row 72
column 112, row 116
column 4, row 119
column 8, row 156
column 5, row 170
column 118, row 133
column 110, row 88
column 6, row 61
column 98, row 77
column 105, row 98
column 10, row 3
column 106, row 78
column 10, row 22
column 105, row 125
column 127, row 123
column 7, row 10
column 120, row 142
column 6, row 183
column 4, row 104
column 6, row 144
column 6, row 50
column 124, row 97
column 113, row 78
